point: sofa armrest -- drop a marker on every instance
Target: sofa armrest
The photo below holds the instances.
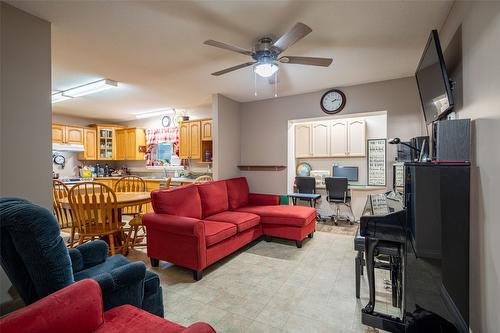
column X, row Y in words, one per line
column 255, row 199
column 81, row 311
column 123, row 285
column 179, row 225
column 199, row 328
column 88, row 255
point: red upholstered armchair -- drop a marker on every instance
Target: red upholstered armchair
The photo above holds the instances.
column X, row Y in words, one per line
column 78, row 309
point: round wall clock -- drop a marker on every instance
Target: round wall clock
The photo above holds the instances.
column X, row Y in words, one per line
column 166, row 121
column 333, row 101
column 59, row 160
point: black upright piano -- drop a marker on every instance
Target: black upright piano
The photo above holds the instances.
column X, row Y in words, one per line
column 431, row 227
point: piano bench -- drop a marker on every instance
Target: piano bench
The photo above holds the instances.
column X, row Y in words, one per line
column 389, row 250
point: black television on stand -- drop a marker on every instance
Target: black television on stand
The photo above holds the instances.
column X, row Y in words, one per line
column 433, row 83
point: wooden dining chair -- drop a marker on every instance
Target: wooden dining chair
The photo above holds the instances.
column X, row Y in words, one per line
column 203, row 179
column 133, row 184
column 94, row 209
column 63, row 215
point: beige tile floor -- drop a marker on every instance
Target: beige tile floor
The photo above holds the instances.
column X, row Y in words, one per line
column 273, row 287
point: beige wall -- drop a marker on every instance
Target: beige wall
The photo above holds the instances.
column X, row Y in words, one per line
column 264, row 124
column 26, row 106
column 226, row 137
column 25, row 113
column 476, row 26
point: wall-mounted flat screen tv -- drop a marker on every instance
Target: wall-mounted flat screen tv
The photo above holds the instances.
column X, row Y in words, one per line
column 433, row 83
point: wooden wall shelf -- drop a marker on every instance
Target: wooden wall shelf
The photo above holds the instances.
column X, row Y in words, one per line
column 261, row 167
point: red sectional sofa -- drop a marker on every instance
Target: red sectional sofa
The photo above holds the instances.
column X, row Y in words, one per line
column 78, row 308
column 195, row 226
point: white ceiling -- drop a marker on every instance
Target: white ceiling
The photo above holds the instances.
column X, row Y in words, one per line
column 155, row 48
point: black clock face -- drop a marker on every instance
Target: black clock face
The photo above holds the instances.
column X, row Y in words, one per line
column 166, row 121
column 333, row 101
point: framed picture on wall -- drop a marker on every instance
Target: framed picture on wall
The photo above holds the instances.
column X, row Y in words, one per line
column 377, row 160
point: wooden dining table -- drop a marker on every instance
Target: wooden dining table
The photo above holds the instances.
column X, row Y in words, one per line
column 123, row 200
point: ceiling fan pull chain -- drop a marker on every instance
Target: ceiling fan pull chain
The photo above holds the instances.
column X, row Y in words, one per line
column 254, row 83
column 276, row 84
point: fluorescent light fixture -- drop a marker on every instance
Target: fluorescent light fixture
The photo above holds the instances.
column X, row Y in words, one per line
column 154, row 113
column 59, row 97
column 266, row 69
column 90, row 88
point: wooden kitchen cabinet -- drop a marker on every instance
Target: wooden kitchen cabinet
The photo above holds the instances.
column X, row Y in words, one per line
column 331, row 138
column 356, row 141
column 58, row 133
column 195, row 139
column 206, row 130
column 190, row 141
column 106, row 141
column 67, row 134
column 89, row 144
column 121, row 145
column 303, row 140
column 321, row 139
column 74, row 135
column 338, row 138
column 128, row 141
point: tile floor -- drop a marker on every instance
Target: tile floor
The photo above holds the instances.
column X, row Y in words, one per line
column 273, row 287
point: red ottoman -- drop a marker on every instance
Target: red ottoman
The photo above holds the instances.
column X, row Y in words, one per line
column 290, row 222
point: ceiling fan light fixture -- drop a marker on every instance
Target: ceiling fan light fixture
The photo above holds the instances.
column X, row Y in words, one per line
column 265, row 69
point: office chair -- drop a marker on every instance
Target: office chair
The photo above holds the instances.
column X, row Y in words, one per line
column 306, row 184
column 337, row 192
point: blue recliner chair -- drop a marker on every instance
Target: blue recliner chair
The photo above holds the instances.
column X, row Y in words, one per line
column 38, row 263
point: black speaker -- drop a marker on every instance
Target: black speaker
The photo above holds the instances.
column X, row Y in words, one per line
column 451, row 140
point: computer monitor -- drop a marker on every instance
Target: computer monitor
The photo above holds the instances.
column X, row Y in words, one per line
column 349, row 172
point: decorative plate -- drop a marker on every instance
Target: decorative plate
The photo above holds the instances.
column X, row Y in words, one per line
column 303, row 169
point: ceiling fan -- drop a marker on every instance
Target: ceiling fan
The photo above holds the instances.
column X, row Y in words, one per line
column 266, row 53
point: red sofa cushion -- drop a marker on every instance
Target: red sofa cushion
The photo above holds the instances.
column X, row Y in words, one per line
column 213, row 197
column 237, row 191
column 298, row 216
column 127, row 318
column 76, row 308
column 216, row 232
column 243, row 221
column 180, row 201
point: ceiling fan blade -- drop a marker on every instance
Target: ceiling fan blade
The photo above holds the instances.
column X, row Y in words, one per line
column 230, row 69
column 228, row 47
column 324, row 62
column 299, row 31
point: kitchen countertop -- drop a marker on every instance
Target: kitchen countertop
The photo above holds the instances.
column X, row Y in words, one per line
column 174, row 179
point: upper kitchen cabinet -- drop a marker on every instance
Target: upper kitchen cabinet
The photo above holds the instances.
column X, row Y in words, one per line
column 348, row 138
column 89, row 144
column 74, row 135
column 128, row 142
column 303, row 140
column 190, row 139
column 356, row 141
column 332, row 138
column 206, row 130
column 195, row 139
column 106, row 141
column 338, row 138
column 321, row 139
column 57, row 133
column 67, row 134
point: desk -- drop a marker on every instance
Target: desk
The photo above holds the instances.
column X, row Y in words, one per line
column 358, row 195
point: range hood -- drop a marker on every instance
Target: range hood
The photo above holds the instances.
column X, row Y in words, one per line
column 67, row 147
